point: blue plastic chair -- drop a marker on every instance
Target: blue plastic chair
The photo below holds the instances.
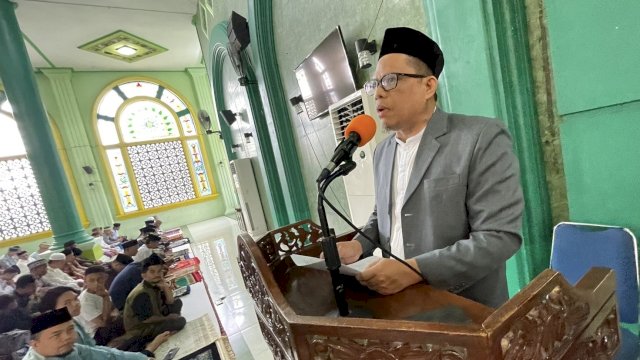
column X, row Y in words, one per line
column 576, row 248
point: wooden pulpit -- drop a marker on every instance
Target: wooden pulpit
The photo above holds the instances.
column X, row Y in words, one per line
column 296, row 310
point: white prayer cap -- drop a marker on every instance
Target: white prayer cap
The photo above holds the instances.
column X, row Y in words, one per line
column 57, row 256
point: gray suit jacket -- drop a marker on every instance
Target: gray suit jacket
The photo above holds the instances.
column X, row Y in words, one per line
column 462, row 211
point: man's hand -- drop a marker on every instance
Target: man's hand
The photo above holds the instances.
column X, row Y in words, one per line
column 102, row 292
column 349, row 251
column 389, row 276
column 164, row 285
column 157, row 341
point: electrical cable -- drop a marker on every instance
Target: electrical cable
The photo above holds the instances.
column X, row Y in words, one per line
column 384, row 251
column 375, row 20
column 304, row 129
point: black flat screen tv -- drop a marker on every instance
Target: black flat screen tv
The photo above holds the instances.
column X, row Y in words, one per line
column 325, row 77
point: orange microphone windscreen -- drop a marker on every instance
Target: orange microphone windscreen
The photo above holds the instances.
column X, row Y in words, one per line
column 363, row 125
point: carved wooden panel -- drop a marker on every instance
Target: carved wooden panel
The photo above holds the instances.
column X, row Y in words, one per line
column 547, row 330
column 288, row 239
column 602, row 344
column 275, row 330
column 323, row 347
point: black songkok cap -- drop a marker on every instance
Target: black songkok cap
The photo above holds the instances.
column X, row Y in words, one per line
column 148, row 229
column 49, row 319
column 153, row 237
column 123, row 259
column 412, row 42
column 130, row 243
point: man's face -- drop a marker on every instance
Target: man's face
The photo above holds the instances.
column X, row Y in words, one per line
column 43, row 247
column 24, row 257
column 399, row 107
column 39, row 271
column 95, row 282
column 153, row 274
column 28, row 290
column 108, row 232
column 57, row 264
column 13, row 254
column 153, row 244
column 70, row 258
column 7, row 275
column 56, row 340
column 69, row 300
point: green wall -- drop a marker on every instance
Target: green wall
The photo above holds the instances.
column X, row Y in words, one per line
column 594, row 56
column 294, row 40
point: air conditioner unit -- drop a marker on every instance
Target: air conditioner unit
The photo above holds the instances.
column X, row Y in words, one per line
column 359, row 183
column 248, row 196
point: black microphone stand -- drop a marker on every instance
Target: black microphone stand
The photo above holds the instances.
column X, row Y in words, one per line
column 328, row 240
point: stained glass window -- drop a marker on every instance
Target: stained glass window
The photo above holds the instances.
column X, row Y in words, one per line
column 121, row 176
column 162, row 173
column 152, row 146
column 22, row 212
column 144, row 120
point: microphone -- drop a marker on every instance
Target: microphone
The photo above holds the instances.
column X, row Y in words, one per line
column 359, row 132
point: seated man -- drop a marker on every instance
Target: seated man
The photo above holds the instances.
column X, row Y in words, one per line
column 56, row 277
column 25, row 291
column 124, row 282
column 152, row 242
column 150, row 309
column 115, row 234
column 38, row 269
column 23, row 260
column 10, row 258
column 79, row 261
column 71, row 266
column 130, row 248
column 7, row 285
column 96, row 308
column 12, row 317
column 53, row 335
column 114, row 267
column 42, row 248
column 148, row 229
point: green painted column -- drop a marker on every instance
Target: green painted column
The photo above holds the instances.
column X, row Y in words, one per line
column 78, row 147
column 276, row 106
column 20, row 84
column 202, row 89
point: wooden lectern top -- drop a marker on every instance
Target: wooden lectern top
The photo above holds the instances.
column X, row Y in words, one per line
column 549, row 319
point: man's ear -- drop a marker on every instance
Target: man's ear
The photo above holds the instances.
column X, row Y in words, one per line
column 431, row 86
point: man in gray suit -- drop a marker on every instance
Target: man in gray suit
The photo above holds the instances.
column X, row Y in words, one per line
column 448, row 196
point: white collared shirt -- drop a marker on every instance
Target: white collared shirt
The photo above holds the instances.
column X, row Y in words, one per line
column 402, row 167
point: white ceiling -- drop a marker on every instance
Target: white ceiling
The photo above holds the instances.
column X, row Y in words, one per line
column 58, row 27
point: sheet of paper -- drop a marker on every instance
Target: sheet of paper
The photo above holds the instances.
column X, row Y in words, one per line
column 317, row 263
column 196, row 335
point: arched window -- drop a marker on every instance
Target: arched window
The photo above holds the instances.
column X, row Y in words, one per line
column 22, row 213
column 151, row 147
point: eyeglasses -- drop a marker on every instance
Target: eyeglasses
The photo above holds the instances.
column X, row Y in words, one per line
column 388, row 82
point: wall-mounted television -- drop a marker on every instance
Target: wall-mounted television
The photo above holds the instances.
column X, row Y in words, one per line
column 325, row 77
